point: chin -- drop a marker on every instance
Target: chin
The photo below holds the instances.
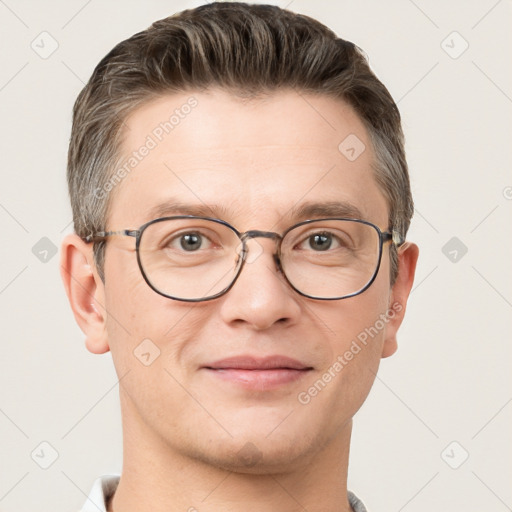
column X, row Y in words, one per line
column 260, row 456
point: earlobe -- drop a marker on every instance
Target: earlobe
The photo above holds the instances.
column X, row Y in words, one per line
column 407, row 259
column 85, row 291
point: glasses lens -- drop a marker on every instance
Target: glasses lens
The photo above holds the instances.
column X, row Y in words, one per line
column 330, row 258
column 189, row 259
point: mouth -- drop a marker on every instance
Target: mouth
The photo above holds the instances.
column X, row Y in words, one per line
column 257, row 373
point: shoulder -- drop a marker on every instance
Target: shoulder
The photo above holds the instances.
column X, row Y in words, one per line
column 356, row 504
column 102, row 490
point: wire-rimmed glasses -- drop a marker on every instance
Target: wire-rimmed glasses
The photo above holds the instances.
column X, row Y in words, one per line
column 193, row 259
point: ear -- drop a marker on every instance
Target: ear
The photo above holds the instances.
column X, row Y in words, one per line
column 407, row 258
column 85, row 291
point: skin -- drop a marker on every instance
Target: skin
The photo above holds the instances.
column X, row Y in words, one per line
column 191, row 441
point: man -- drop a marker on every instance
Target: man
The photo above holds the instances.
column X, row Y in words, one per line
column 241, row 200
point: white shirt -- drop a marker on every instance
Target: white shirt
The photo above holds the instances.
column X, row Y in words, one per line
column 105, row 487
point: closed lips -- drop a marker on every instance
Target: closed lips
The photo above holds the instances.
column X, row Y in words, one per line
column 261, row 364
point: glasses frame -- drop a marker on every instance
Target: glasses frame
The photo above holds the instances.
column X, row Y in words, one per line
column 384, row 237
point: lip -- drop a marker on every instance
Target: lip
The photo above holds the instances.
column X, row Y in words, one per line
column 258, row 373
column 247, row 362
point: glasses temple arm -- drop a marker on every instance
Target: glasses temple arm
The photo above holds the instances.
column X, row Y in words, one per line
column 100, row 236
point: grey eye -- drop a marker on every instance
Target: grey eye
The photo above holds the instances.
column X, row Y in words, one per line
column 320, row 241
column 191, row 241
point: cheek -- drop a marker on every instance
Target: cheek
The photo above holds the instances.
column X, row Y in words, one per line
column 142, row 327
column 358, row 318
column 357, row 330
column 147, row 333
column 134, row 310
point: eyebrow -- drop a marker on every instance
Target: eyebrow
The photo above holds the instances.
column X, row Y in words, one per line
column 297, row 213
column 341, row 209
column 172, row 207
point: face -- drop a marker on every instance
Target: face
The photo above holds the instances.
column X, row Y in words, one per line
column 253, row 164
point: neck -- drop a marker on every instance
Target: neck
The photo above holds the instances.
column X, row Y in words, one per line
column 161, row 478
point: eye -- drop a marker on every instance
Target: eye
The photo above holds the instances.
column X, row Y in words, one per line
column 320, row 241
column 190, row 242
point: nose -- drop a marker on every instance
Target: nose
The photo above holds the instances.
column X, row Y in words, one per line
column 261, row 297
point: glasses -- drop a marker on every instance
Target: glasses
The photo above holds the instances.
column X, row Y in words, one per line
column 194, row 259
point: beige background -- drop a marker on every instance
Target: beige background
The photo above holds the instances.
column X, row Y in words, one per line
column 449, row 381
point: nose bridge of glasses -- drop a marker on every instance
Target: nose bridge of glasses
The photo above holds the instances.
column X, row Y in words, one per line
column 257, row 250
column 255, row 233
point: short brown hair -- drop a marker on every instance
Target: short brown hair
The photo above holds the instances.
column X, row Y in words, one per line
column 248, row 50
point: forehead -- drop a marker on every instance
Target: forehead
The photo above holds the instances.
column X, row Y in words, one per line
column 257, row 161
